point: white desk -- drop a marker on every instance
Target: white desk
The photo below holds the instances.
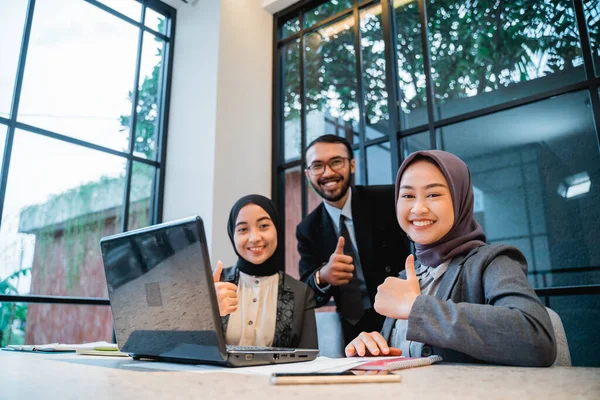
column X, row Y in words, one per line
column 69, row 376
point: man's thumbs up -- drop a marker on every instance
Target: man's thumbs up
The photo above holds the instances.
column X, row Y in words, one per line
column 339, row 270
column 340, row 246
column 217, row 273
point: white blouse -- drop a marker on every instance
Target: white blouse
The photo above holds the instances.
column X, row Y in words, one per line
column 253, row 323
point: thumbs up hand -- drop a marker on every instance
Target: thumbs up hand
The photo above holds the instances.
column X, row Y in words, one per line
column 395, row 297
column 226, row 292
column 338, row 271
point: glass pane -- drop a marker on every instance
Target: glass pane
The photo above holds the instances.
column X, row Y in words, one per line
column 291, row 101
column 22, row 323
column 290, row 27
column 52, row 225
column 143, row 179
column 488, row 53
column 580, row 315
column 11, row 33
column 533, row 168
column 331, row 86
column 80, row 69
column 154, row 20
column 358, row 172
column 412, row 143
column 325, row 11
column 374, row 88
column 293, row 216
column 379, row 164
column 148, row 112
column 130, row 8
column 592, row 15
column 411, row 73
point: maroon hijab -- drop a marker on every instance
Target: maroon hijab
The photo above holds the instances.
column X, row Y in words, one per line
column 466, row 234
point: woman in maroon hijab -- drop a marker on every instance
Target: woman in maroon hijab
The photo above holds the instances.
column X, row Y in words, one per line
column 461, row 299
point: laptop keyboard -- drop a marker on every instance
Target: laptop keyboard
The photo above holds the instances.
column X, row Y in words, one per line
column 257, row 348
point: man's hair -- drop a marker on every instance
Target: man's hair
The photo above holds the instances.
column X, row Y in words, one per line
column 332, row 139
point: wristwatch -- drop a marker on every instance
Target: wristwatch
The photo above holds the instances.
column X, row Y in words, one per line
column 318, row 277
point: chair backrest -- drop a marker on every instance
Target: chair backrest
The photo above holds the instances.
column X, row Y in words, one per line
column 563, row 356
column 331, row 338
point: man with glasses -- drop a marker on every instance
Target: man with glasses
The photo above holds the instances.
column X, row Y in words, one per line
column 351, row 242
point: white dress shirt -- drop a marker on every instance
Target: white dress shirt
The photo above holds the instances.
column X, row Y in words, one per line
column 253, row 323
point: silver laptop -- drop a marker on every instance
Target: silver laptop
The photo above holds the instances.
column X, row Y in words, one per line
column 163, row 299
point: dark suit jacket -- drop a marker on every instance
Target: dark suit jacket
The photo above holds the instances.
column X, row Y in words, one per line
column 382, row 246
column 295, row 325
column 483, row 311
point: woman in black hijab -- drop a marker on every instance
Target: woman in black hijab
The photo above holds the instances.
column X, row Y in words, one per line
column 260, row 305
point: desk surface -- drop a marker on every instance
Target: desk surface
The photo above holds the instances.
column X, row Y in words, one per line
column 70, row 376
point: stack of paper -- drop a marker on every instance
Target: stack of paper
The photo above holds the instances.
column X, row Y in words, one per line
column 58, row 347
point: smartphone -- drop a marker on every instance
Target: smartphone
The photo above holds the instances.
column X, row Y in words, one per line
column 330, row 378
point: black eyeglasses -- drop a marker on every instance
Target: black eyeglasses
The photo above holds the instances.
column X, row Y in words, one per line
column 318, row 168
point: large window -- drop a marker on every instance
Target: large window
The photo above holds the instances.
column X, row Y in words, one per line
column 83, row 88
column 510, row 87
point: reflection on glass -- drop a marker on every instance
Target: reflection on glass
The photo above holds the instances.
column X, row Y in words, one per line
column 290, row 27
column 130, row 8
column 331, row 87
column 518, row 159
column 143, row 180
column 412, row 143
column 52, row 225
column 379, row 164
column 373, row 58
column 293, row 216
column 291, row 101
column 358, row 172
column 411, row 73
column 11, row 32
column 23, row 323
column 155, row 21
column 148, row 113
column 80, row 68
column 325, row 11
column 592, row 16
column 484, row 54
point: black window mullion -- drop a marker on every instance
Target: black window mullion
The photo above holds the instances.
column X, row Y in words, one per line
column 588, row 63
column 132, row 127
column 428, row 77
column 389, row 39
column 360, row 94
column 10, row 134
column 303, row 133
column 157, row 205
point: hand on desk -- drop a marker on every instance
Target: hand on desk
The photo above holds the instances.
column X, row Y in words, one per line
column 226, row 293
column 370, row 344
column 395, row 297
column 338, row 271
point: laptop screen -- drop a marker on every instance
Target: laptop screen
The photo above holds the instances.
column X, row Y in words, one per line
column 161, row 291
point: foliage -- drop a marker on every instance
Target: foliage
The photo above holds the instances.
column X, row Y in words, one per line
column 147, row 108
column 10, row 312
column 476, row 46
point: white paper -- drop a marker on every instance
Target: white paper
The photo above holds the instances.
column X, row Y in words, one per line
column 320, row 364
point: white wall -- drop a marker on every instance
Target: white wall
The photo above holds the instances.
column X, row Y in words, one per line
column 219, row 143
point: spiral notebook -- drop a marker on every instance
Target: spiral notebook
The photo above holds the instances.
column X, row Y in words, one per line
column 399, row 363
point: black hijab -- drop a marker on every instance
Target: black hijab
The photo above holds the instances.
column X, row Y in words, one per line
column 273, row 264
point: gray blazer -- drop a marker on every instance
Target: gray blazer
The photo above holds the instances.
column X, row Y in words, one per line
column 484, row 311
column 296, row 325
